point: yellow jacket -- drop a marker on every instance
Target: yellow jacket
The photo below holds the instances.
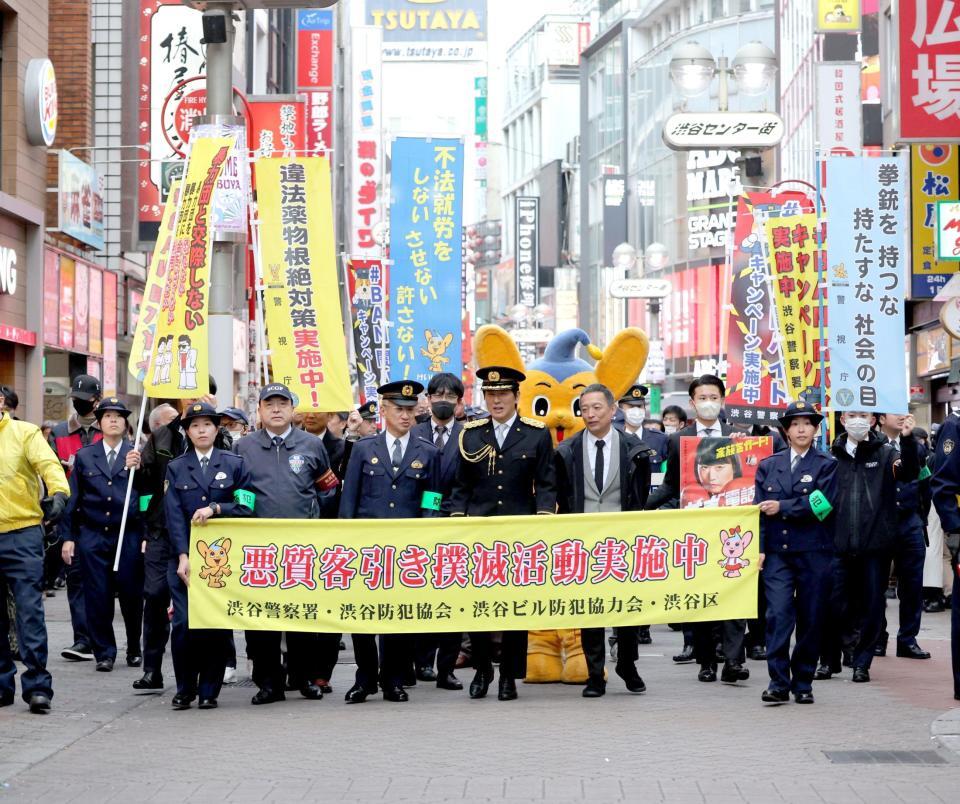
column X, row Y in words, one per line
column 24, row 454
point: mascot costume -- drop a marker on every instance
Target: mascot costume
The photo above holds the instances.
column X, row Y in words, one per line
column 551, row 393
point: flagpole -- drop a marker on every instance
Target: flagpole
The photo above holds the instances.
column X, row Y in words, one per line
column 258, row 288
column 126, row 500
column 822, row 287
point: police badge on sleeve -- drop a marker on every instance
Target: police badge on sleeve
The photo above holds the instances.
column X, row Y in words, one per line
column 297, row 463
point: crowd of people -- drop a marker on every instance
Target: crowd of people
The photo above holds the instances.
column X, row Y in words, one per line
column 836, row 525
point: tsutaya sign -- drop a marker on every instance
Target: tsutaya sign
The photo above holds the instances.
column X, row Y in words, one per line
column 711, row 174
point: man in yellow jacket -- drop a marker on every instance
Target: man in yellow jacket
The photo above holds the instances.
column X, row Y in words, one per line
column 25, row 458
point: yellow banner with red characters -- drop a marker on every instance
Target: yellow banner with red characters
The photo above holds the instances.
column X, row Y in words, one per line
column 475, row 573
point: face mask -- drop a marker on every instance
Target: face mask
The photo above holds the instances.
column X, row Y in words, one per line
column 634, row 416
column 858, row 428
column 83, row 407
column 442, row 411
column 670, row 429
column 708, row 411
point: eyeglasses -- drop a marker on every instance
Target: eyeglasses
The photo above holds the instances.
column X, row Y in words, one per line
column 447, row 397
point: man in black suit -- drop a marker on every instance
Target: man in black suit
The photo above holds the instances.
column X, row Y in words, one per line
column 445, row 393
column 604, row 469
column 706, row 396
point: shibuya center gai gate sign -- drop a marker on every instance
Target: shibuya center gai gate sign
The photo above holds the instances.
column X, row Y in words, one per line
column 711, row 130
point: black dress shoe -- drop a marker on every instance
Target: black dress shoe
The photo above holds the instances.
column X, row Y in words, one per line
column 426, row 674
column 631, row 678
column 912, row 651
column 311, row 691
column 880, row 649
column 758, row 653
column 643, row 635
column 357, row 694
column 508, row 689
column 707, row 673
column 181, row 701
column 480, row 684
column 149, row 681
column 207, row 703
column 772, row 696
column 685, row 656
column 822, row 673
column 449, row 682
column 105, row 666
column 861, row 675
column 267, row 696
column 933, row 606
column 594, row 689
column 410, row 679
column 395, row 694
column 732, row 673
column 805, row 697
column 134, row 660
column 78, row 652
column 39, row 703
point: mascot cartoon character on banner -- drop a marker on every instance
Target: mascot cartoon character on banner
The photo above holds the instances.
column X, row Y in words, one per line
column 551, row 393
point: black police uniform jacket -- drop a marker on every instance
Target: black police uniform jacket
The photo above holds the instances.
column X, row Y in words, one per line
column 371, row 489
column 517, row 478
column 945, row 483
column 635, row 461
column 188, row 490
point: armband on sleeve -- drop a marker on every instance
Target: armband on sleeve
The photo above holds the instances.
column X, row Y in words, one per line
column 145, row 502
column 245, row 498
column 326, row 481
column 430, row 501
column 820, row 505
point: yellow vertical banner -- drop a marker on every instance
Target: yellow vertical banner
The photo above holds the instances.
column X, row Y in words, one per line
column 143, row 336
column 179, row 357
column 308, row 351
column 792, row 251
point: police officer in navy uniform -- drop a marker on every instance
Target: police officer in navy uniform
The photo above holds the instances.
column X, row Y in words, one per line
column 291, row 475
column 795, row 489
column 200, row 485
column 386, row 478
column 506, row 468
column 91, row 528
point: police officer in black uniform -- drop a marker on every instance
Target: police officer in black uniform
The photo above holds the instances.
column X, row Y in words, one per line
column 201, row 484
column 506, row 467
column 387, row 477
column 290, row 474
column 91, row 527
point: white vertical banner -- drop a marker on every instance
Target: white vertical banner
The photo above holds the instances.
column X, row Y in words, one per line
column 365, row 148
column 839, row 109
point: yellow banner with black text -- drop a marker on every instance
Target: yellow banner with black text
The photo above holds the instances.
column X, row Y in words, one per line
column 462, row 574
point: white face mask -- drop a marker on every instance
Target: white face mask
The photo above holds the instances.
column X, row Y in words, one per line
column 857, row 428
column 670, row 429
column 634, row 416
column 708, row 410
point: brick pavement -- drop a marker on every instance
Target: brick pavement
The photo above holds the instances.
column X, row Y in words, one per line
column 681, row 742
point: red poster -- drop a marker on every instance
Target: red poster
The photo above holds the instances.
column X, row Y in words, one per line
column 278, row 127
column 929, row 69
column 51, row 298
column 95, row 339
column 716, row 472
column 109, row 333
column 81, row 307
column 66, row 302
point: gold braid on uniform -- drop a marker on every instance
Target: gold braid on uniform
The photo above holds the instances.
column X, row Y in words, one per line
column 487, row 451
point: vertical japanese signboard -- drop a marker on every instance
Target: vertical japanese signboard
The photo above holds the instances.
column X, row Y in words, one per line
column 527, row 249
column 425, row 235
column 367, row 287
column 866, row 199
column 315, row 75
column 364, row 159
column 839, row 108
column 929, row 70
column 279, row 123
column 301, row 297
column 109, row 333
column 934, row 177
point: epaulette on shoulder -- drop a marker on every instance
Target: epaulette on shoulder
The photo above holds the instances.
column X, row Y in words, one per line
column 475, row 423
column 533, row 422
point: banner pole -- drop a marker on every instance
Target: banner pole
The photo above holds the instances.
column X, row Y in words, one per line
column 126, row 500
column 262, row 362
column 821, row 286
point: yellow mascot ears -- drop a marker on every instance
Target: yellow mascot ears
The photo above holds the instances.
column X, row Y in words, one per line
column 493, row 346
column 623, row 359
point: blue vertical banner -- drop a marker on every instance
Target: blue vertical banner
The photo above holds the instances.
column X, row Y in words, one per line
column 868, row 256
column 425, row 216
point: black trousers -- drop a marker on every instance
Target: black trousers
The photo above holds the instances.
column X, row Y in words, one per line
column 857, row 602
column 156, row 601
column 757, row 629
column 732, row 635
column 513, row 653
column 386, row 666
column 199, row 653
column 327, row 655
column 442, row 648
column 594, row 648
column 263, row 649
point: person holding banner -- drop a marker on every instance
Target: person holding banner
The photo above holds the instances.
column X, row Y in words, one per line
column 506, row 468
column 796, row 490
column 291, row 477
column 91, row 528
column 203, row 483
column 394, row 475
column 603, row 469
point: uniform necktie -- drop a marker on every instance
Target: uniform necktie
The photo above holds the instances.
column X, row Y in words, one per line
column 397, row 454
column 501, row 434
column 440, row 439
column 793, row 463
column 708, row 431
column 277, row 441
column 598, row 466
column 204, row 462
column 111, row 457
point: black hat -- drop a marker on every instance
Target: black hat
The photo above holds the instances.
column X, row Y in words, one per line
column 278, row 389
column 110, row 403
column 634, row 395
column 369, row 410
column 500, row 378
column 236, row 414
column 796, row 410
column 401, row 392
column 200, row 410
column 85, row 387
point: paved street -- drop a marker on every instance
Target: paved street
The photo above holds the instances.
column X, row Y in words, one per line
column 681, row 742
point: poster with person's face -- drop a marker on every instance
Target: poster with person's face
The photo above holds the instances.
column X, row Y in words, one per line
column 716, row 472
